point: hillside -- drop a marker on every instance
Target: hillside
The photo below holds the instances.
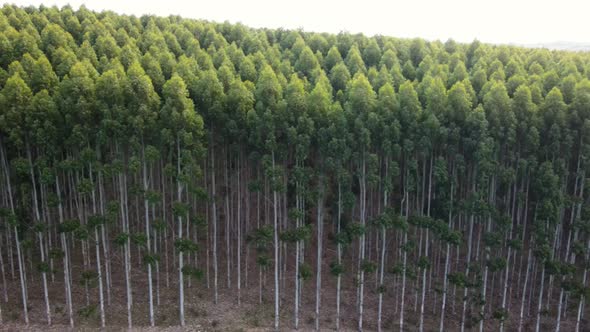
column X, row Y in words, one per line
column 188, row 175
column 563, row 45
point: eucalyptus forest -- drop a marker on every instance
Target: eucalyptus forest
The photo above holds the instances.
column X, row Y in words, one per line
column 162, row 171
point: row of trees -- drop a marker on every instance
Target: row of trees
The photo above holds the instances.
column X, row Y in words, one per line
column 444, row 181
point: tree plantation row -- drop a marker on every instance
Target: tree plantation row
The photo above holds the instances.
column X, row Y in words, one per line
column 440, row 185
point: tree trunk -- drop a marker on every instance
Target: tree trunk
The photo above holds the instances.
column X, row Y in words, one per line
column 526, row 280
column 180, row 252
column 320, row 227
column 339, row 249
column 363, row 195
column 447, row 258
column 276, row 249
column 239, row 229
column 582, row 297
column 427, row 244
column 214, row 215
column 405, row 259
column 66, row 257
column 540, row 304
column 127, row 245
column 147, row 235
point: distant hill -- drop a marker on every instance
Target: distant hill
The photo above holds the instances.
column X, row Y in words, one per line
column 561, row 45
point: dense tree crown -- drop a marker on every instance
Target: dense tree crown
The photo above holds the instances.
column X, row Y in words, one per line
column 427, row 183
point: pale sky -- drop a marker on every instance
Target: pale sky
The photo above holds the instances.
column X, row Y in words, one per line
column 494, row 21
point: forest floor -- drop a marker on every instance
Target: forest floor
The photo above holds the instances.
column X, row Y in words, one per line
column 249, row 315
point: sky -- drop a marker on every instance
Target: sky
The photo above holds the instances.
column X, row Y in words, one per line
column 493, row 21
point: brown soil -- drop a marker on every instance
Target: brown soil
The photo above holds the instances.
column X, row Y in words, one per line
column 227, row 315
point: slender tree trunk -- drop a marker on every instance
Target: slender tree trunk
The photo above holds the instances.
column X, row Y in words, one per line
column 381, row 274
column 320, row 227
column 127, row 245
column 468, row 261
column 405, row 259
column 526, row 280
column 297, row 253
column 17, row 240
column 447, row 258
column 227, row 222
column 66, row 257
column 339, row 253
column 105, row 245
column 100, row 290
column 382, row 259
column 44, row 276
column 180, row 252
column 239, row 230
column 147, row 235
column 276, row 249
column 2, row 270
column 40, row 234
column 582, row 297
column 97, row 248
column 505, row 288
column 427, row 244
column 487, row 255
column 363, row 195
column 540, row 304
column 214, row 215
column 22, row 276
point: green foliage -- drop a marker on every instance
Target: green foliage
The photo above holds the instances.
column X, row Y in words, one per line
column 158, row 225
column 81, row 233
column 492, row 240
column 43, row 267
column 89, row 277
column 302, row 233
column 458, row 279
column 423, row 263
column 500, row 314
column 192, row 272
column 261, row 237
column 336, row 269
column 515, row 244
column 69, row 226
column 56, row 254
column 121, row 239
column 263, row 260
column 408, row 246
column 139, row 239
column 151, row 259
column 462, row 135
column 496, row 264
column 355, row 230
column 179, row 209
column 87, row 312
column 398, row 269
column 305, row 271
column 96, row 221
column 185, row 245
column 39, row 227
column 368, row 266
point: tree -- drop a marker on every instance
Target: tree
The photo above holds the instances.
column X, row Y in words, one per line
column 389, row 157
column 354, row 61
column 14, row 100
column 180, row 117
column 307, row 63
column 332, row 58
column 361, row 102
column 269, row 94
column 143, row 106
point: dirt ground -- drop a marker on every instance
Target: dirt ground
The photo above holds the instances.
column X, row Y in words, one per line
column 227, row 315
